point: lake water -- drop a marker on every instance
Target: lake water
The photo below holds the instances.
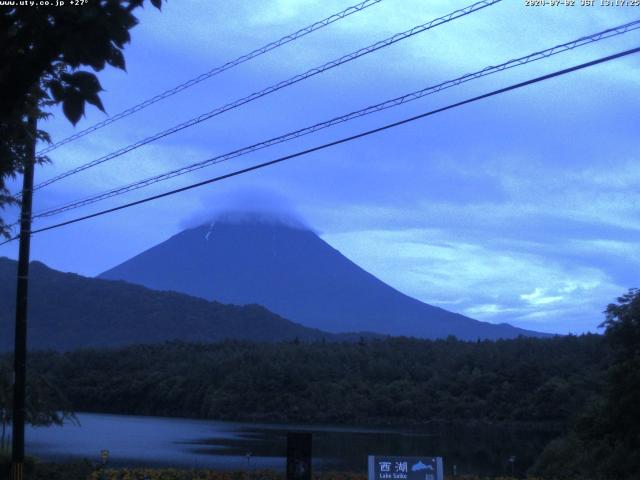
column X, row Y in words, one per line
column 153, row 441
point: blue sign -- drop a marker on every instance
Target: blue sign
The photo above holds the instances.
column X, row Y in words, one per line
column 405, row 468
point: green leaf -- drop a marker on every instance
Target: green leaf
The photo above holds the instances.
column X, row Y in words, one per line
column 57, row 90
column 87, row 83
column 95, row 101
column 116, row 58
column 73, row 107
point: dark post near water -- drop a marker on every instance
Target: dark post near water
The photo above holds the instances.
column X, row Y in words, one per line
column 20, row 349
column 298, row 456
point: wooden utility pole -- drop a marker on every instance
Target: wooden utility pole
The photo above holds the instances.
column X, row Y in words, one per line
column 20, row 349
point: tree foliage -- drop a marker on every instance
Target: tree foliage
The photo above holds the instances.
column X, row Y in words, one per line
column 49, row 44
column 623, row 392
column 43, row 50
column 46, row 404
column 604, row 441
column 534, row 381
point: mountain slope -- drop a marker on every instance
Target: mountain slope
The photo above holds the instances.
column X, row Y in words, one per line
column 292, row 271
column 68, row 311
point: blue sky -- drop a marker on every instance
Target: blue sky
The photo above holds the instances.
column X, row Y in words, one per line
column 524, row 208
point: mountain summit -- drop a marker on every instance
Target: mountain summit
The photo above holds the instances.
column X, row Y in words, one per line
column 289, row 269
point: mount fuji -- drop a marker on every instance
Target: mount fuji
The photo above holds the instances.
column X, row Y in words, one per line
column 286, row 267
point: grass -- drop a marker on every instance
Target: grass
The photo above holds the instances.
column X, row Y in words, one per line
column 35, row 470
column 175, row 474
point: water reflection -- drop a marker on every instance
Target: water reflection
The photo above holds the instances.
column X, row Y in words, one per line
column 152, row 441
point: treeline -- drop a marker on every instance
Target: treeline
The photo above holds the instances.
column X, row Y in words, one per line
column 538, row 381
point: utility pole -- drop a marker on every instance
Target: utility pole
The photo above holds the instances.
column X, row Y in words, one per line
column 20, row 349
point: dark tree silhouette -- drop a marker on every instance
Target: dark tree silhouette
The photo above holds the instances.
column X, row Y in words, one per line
column 619, row 422
column 46, row 403
column 43, row 49
column 604, row 441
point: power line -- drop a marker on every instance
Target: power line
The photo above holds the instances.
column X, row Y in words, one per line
column 215, row 71
column 342, row 140
column 256, row 95
column 347, row 117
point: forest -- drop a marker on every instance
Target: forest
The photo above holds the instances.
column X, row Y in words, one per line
column 371, row 382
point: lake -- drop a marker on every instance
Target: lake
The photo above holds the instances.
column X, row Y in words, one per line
column 188, row 443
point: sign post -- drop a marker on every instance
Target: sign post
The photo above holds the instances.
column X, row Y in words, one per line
column 299, row 456
column 405, row 468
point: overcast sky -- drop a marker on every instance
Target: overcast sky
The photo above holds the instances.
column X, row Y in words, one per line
column 523, row 208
